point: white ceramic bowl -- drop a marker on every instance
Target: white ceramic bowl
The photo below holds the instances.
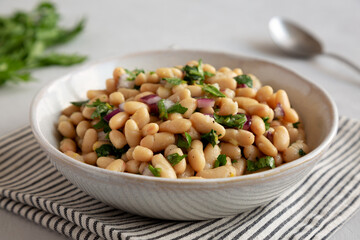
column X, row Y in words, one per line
column 184, row 199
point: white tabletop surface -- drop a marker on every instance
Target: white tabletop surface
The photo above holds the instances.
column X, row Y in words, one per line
column 115, row 28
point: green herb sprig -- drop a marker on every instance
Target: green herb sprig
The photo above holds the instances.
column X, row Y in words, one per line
column 244, row 79
column 267, row 124
column 210, row 137
column 233, row 121
column 184, row 142
column 220, row 161
column 260, row 163
column 102, row 109
column 302, row 152
column 176, row 108
column 175, row 158
column 213, row 91
column 79, row 103
column 133, row 74
column 194, row 74
column 25, row 37
column 296, row 125
column 108, row 149
column 174, row 81
column 154, row 171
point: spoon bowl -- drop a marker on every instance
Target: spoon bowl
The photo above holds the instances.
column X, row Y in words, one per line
column 298, row 42
column 294, row 40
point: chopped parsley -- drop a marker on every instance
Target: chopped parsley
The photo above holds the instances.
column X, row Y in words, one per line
column 102, row 108
column 301, row 152
column 296, row 125
column 234, row 121
column 151, row 72
column 184, row 142
column 108, row 149
column 220, row 161
column 194, row 74
column 174, row 81
column 267, row 124
column 212, row 90
column 104, row 125
column 80, row 103
column 244, row 79
column 210, row 137
column 163, row 114
column 177, row 108
column 208, row 74
column 175, row 158
column 260, row 163
column 154, row 171
column 133, row 74
column 234, row 161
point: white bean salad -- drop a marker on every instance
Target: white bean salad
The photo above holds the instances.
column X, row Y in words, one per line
column 189, row 121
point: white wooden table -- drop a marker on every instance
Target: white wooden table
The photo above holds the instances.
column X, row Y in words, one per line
column 118, row 27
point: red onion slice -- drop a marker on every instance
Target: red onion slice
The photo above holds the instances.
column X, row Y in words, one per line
column 247, row 124
column 154, row 108
column 269, row 135
column 111, row 114
column 242, row 85
column 205, row 102
column 279, row 111
column 150, row 99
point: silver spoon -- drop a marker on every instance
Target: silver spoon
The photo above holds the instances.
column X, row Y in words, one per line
column 296, row 41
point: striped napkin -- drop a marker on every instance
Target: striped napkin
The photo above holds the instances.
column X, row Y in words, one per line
column 315, row 208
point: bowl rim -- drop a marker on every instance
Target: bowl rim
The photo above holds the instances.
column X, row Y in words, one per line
column 260, row 176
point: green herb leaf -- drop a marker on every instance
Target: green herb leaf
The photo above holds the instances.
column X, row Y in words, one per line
column 244, row 79
column 208, row 74
column 233, row 121
column 133, row 74
column 267, row 125
column 210, row 137
column 102, row 108
column 108, row 149
column 194, row 74
column 296, row 125
column 152, row 72
column 184, row 142
column 261, row 163
column 220, row 161
column 104, row 125
column 174, row 81
column 177, row 108
column 24, row 38
column 234, row 161
column 212, row 90
column 80, row 103
column 104, row 150
column 301, row 152
column 175, row 158
column 163, row 114
column 57, row 59
column 154, row 171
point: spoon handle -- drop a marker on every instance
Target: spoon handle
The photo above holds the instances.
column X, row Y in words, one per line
column 344, row 60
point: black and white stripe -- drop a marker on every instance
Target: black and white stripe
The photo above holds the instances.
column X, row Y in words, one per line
column 315, row 208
